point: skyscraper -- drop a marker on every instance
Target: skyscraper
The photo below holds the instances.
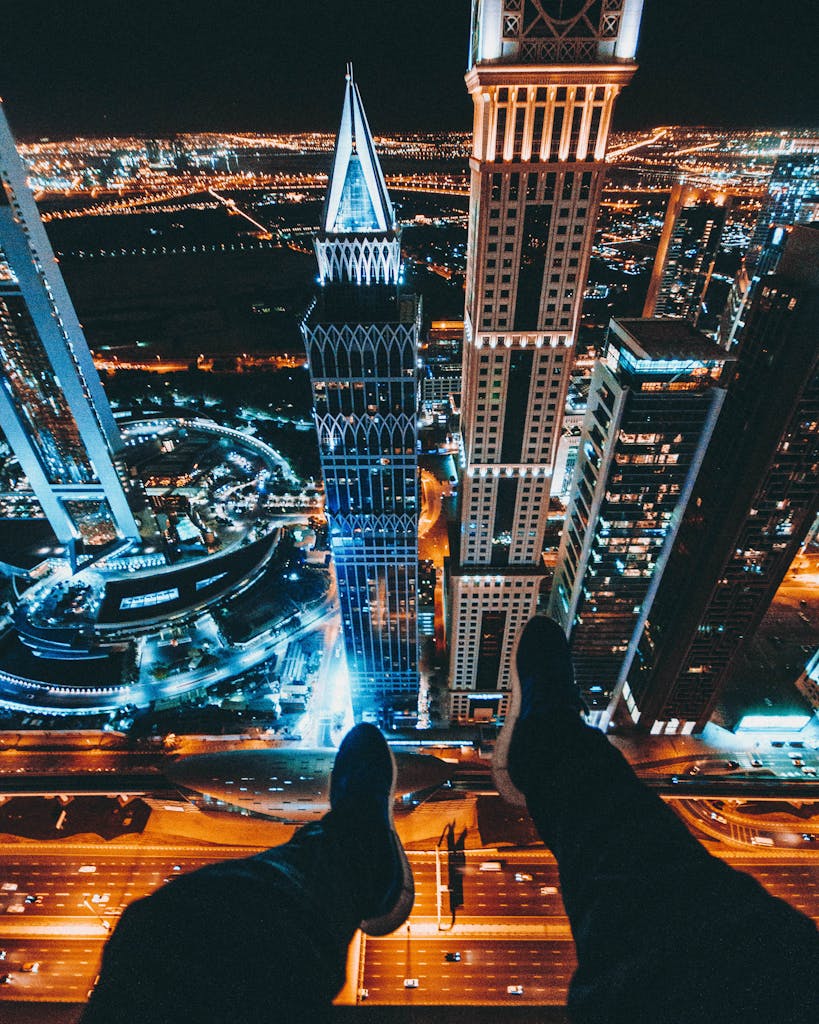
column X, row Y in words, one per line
column 754, row 501
column 654, row 399
column 361, row 336
column 793, row 198
column 686, row 254
column 544, row 77
column 54, row 412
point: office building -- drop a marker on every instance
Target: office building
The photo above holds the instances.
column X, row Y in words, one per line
column 544, row 78
column 361, row 336
column 753, row 503
column 654, row 400
column 54, row 411
column 792, row 198
column 686, row 253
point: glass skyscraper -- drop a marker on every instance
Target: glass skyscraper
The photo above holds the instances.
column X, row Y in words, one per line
column 53, row 409
column 754, row 501
column 792, row 198
column 361, row 336
column 686, row 254
column 654, row 400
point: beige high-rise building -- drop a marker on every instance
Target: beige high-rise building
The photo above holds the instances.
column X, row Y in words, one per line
column 544, row 76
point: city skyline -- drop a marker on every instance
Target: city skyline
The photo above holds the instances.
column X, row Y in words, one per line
column 105, row 70
column 365, row 403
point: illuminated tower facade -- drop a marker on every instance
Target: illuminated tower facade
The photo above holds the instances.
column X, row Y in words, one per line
column 544, row 77
column 53, row 409
column 361, row 336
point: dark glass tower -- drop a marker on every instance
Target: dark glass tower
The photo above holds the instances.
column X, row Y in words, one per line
column 754, row 501
column 685, row 259
column 654, row 400
column 793, row 198
column 361, row 336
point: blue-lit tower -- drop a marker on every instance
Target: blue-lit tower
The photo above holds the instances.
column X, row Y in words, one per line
column 361, row 336
column 53, row 410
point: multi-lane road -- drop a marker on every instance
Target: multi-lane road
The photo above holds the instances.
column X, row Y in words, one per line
column 537, row 971
column 80, row 891
column 510, row 931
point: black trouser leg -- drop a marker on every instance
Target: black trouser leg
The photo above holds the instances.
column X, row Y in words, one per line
column 664, row 931
column 261, row 940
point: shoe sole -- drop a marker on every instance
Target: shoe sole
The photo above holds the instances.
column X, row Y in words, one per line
column 387, row 923
column 500, row 756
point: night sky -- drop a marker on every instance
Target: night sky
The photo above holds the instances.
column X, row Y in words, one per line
column 81, row 66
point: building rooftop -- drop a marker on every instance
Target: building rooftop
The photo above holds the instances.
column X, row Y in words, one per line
column 357, row 200
column 667, row 339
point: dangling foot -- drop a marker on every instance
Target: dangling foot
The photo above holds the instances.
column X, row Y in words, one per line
column 542, row 685
column 362, row 787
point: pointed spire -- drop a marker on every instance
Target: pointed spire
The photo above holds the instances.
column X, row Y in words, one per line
column 357, row 201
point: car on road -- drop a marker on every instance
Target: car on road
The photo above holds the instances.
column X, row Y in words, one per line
column 491, row 865
column 808, row 769
column 410, row 983
column 719, row 818
column 31, row 967
column 514, row 990
column 694, row 770
column 8, row 887
column 452, row 958
column 731, row 765
column 798, row 762
column 755, row 762
column 363, row 993
column 6, row 979
column 87, row 869
column 548, row 890
column 522, row 876
column 3, row 954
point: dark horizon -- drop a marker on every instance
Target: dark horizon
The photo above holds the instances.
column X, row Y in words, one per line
column 155, row 70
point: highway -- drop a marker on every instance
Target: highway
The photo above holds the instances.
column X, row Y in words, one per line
column 508, row 931
column 486, row 968
column 65, row 931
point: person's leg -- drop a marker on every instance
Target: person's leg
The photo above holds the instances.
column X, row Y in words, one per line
column 265, row 938
column 664, row 931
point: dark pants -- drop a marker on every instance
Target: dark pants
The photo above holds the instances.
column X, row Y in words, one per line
column 253, row 941
column 664, row 931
